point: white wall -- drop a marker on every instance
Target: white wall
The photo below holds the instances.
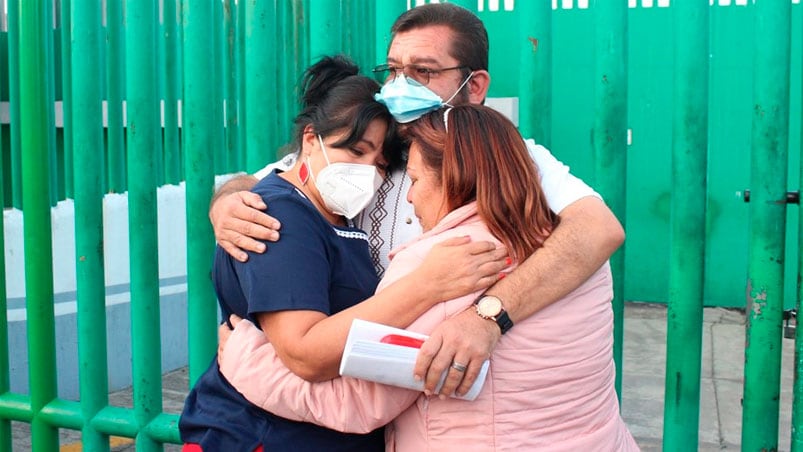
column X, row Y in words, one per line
column 172, row 272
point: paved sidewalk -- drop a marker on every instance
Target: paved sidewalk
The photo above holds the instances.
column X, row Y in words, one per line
column 721, row 378
column 643, row 384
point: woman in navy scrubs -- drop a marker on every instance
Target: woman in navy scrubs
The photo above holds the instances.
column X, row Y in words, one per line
column 319, row 267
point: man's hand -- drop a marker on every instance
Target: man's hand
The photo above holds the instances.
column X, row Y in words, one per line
column 239, row 222
column 458, row 267
column 466, row 339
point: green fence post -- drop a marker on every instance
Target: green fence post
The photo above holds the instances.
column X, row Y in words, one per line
column 198, row 123
column 470, row 5
column 609, row 140
column 260, row 78
column 385, row 14
column 348, row 37
column 56, row 169
column 797, row 399
column 242, row 101
column 293, row 21
column 14, row 103
column 34, row 126
column 365, row 50
column 144, row 145
column 285, row 31
column 357, row 42
column 87, row 85
column 172, row 92
column 115, row 85
column 215, row 96
column 326, row 31
column 688, row 226
column 535, row 79
column 5, row 369
column 66, row 97
column 767, row 226
column 301, row 22
column 301, row 41
column 233, row 162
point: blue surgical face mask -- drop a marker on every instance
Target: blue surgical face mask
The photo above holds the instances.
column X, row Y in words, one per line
column 408, row 101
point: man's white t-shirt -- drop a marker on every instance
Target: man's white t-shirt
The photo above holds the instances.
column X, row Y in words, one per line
column 390, row 220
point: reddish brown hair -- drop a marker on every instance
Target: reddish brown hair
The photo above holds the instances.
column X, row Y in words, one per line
column 482, row 157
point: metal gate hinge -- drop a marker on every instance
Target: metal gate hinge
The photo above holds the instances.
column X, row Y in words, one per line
column 792, row 197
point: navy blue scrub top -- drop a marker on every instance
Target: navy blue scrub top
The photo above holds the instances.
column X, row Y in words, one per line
column 313, row 266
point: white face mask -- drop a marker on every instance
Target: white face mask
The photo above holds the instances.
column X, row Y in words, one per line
column 346, row 188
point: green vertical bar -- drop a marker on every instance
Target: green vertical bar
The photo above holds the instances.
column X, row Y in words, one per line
column 50, row 68
column 363, row 50
column 5, row 369
column 346, row 36
column 535, row 79
column 144, row 145
column 197, row 134
column 3, row 96
column 87, row 85
column 687, row 244
column 386, row 14
column 293, row 21
column 326, row 32
column 610, row 140
column 66, row 96
column 284, row 30
column 35, row 125
column 470, row 5
column 301, row 34
column 797, row 399
column 233, row 162
column 242, row 101
column 260, row 75
column 14, row 102
column 115, row 82
column 215, row 94
column 172, row 67
column 769, row 159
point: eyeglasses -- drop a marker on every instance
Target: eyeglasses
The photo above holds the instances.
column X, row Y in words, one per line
column 420, row 74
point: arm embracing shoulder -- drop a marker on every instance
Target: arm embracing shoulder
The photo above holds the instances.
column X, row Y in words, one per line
column 238, row 218
column 588, row 234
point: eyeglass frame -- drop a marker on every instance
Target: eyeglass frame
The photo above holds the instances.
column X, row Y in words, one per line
column 402, row 69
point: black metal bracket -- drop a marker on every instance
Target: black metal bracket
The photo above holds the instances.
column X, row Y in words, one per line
column 789, row 330
column 792, row 197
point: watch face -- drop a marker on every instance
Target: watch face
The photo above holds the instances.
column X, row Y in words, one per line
column 490, row 306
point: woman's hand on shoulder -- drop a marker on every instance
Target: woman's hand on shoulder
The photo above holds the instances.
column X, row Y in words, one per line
column 458, row 266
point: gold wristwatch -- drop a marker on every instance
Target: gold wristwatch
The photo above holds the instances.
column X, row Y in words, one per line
column 490, row 307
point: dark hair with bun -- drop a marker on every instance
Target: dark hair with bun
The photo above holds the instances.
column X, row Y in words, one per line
column 336, row 99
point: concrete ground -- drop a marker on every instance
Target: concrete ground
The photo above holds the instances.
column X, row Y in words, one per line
column 643, row 384
column 721, row 378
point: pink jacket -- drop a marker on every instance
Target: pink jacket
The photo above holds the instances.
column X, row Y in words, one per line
column 550, row 385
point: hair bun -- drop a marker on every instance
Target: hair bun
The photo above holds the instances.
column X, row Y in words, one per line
column 323, row 75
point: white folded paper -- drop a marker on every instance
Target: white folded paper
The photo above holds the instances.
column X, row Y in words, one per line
column 366, row 356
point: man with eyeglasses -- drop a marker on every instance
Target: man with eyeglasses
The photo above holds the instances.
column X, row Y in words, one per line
column 439, row 56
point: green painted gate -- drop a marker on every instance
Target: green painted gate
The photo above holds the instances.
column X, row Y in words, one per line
column 209, row 89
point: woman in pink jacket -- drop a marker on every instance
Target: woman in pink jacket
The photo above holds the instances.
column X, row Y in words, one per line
column 550, row 385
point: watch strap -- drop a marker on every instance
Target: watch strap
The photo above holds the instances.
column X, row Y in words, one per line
column 504, row 322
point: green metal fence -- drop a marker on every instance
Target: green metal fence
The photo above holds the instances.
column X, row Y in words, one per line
column 650, row 102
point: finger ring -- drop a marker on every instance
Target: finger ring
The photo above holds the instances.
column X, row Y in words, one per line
column 458, row 367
